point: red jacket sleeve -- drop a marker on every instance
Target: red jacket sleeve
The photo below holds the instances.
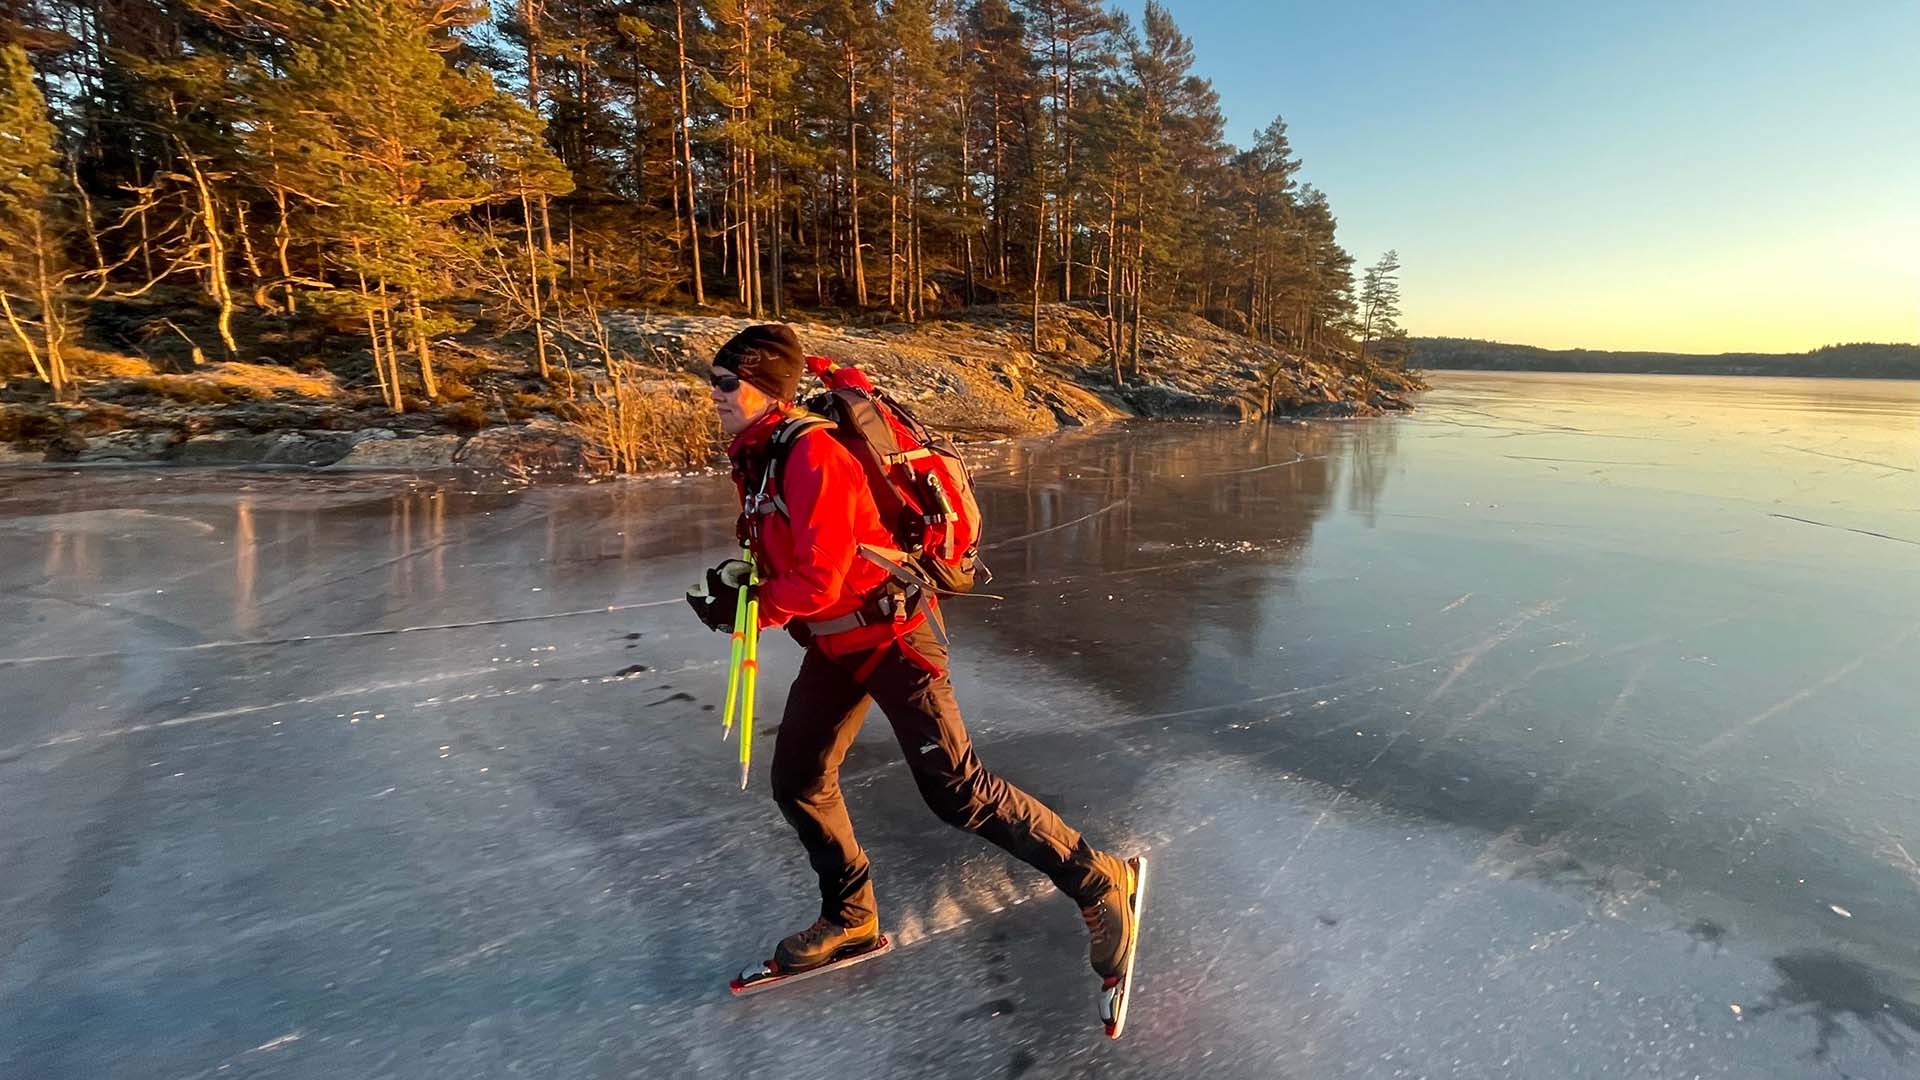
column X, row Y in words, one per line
column 818, row 483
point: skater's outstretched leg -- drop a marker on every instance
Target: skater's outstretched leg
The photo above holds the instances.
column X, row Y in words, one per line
column 964, row 793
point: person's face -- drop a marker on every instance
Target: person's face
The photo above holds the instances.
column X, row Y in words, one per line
column 738, row 403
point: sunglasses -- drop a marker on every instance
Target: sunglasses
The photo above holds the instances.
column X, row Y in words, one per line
column 725, row 382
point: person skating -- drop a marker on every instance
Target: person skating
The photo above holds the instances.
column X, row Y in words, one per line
column 866, row 638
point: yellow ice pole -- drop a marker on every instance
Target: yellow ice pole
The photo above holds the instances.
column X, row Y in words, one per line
column 738, row 654
column 749, row 672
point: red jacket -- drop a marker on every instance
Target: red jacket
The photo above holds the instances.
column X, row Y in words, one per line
column 809, row 560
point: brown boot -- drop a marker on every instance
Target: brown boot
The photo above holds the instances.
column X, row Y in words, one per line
column 1110, row 920
column 823, row 943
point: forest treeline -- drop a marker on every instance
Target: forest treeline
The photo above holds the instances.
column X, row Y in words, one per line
column 1855, row 361
column 395, row 165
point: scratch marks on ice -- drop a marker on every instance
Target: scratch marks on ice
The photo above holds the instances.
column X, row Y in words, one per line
column 1107, row 509
column 1847, row 528
column 383, row 632
column 1735, row 731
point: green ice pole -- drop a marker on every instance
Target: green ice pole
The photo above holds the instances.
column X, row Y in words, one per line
column 749, row 674
column 738, row 652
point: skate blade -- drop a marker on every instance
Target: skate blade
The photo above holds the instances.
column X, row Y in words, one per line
column 1114, row 998
column 766, row 976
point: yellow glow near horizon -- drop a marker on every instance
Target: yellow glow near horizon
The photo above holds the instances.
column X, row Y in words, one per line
column 1780, row 294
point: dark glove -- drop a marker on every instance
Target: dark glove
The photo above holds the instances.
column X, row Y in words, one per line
column 717, row 599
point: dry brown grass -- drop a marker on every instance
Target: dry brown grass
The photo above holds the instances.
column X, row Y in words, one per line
column 227, row 382
column 467, row 415
column 646, row 427
column 91, row 364
column 189, row 390
column 13, row 359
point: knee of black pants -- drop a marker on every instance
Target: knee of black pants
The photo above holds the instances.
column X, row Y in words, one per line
column 797, row 790
column 958, row 802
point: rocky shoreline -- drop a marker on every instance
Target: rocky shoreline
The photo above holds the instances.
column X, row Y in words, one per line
column 973, row 374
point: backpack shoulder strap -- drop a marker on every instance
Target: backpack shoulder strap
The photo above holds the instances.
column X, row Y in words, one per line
column 766, row 499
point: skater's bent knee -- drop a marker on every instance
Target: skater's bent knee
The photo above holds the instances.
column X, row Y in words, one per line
column 798, row 790
column 959, row 806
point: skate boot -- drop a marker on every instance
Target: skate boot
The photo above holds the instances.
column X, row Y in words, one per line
column 823, row 943
column 1114, row 925
column 1110, row 920
column 821, row 948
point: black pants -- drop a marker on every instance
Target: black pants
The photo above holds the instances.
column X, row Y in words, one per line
column 824, row 710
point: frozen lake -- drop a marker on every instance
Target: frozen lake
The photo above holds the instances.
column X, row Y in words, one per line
column 1564, row 729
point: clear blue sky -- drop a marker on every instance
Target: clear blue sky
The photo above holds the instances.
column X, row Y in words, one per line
column 1689, row 176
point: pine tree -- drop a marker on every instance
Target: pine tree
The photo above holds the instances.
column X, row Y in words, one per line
column 758, row 74
column 1072, row 38
column 510, row 155
column 1379, row 301
column 1326, row 298
column 33, row 223
column 1004, row 91
column 1182, row 117
column 386, row 132
column 922, row 143
column 684, row 131
column 849, row 39
column 1263, row 209
column 170, row 70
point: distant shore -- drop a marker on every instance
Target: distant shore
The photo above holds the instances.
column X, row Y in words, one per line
column 1862, row 361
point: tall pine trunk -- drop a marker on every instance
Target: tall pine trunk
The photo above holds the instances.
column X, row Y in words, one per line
column 1004, row 271
column 532, row 20
column 422, row 350
column 53, row 324
column 853, row 181
column 914, row 295
column 282, row 241
column 1039, row 257
column 218, row 288
column 775, row 225
column 750, row 216
column 893, row 188
column 1066, row 186
column 389, row 390
column 966, row 190
column 1112, row 271
column 534, row 298
column 686, row 155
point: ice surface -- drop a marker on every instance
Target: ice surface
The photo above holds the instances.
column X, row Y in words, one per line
column 1564, row 729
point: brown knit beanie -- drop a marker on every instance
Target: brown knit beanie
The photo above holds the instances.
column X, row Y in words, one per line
column 768, row 356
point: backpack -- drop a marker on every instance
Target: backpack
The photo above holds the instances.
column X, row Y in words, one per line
column 919, row 482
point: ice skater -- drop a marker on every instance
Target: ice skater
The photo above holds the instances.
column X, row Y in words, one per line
column 868, row 635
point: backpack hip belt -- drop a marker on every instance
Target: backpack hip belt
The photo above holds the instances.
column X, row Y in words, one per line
column 891, row 604
column 896, row 601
